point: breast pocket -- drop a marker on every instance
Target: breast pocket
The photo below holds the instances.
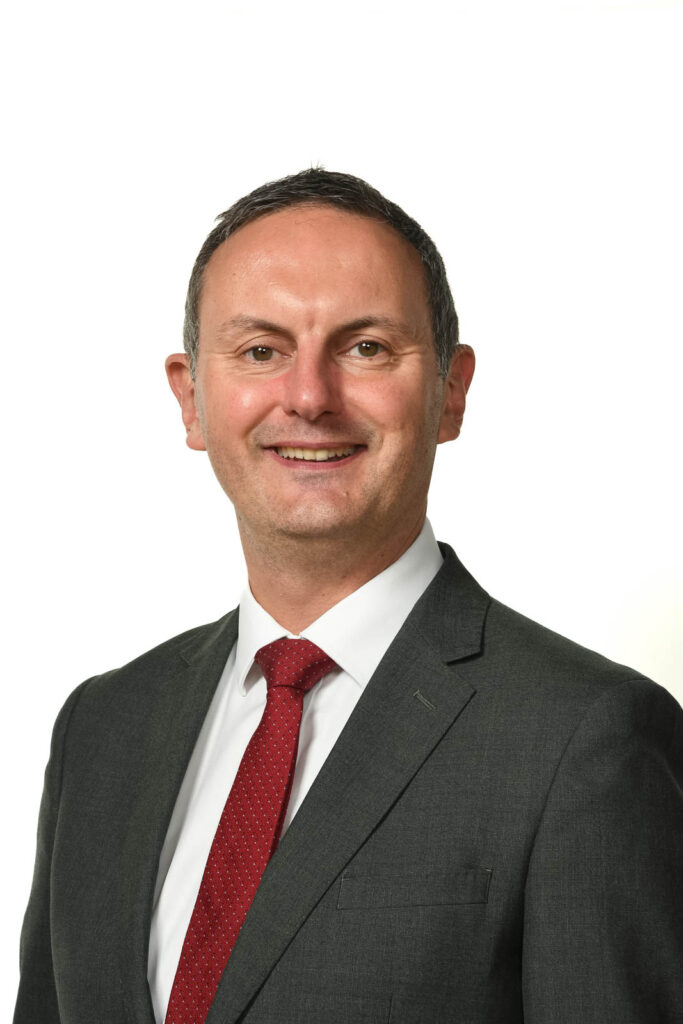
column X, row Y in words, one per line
column 361, row 892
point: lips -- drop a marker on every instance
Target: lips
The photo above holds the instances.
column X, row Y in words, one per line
column 316, row 454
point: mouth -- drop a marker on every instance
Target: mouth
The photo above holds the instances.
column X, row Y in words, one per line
column 335, row 454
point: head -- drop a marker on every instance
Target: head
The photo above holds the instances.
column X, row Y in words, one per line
column 346, row 192
column 312, row 377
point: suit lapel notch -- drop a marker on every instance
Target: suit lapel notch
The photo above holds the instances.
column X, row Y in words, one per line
column 451, row 614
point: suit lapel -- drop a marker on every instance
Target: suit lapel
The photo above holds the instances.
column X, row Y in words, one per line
column 416, row 694
column 177, row 703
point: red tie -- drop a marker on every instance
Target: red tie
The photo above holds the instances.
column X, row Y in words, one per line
column 249, row 829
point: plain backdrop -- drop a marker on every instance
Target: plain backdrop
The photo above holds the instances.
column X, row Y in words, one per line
column 540, row 146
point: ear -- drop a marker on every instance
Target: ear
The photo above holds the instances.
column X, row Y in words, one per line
column 183, row 387
column 455, row 390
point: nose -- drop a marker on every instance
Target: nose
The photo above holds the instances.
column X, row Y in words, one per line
column 311, row 386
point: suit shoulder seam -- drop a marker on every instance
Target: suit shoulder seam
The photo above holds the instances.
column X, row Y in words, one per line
column 605, row 695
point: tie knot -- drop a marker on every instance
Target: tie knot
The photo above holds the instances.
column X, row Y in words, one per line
column 295, row 662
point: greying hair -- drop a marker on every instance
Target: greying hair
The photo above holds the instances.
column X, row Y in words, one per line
column 320, row 187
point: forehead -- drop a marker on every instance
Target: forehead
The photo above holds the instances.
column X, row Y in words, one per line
column 314, row 251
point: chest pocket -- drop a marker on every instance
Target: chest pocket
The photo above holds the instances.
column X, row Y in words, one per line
column 361, row 892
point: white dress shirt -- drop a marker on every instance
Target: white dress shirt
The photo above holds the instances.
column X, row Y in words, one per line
column 356, row 634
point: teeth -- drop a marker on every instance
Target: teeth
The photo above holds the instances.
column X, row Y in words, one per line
column 315, row 454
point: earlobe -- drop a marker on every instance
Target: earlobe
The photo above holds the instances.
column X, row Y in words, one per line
column 455, row 391
column 183, row 387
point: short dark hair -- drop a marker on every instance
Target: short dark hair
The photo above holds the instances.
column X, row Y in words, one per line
column 320, row 187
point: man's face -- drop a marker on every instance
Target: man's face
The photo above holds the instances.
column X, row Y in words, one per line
column 317, row 394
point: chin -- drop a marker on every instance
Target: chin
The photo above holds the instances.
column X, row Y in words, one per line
column 313, row 530
column 318, row 524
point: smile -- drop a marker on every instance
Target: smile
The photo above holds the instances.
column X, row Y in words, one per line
column 317, row 454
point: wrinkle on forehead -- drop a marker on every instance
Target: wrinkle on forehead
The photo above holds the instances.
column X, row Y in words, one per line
column 320, row 266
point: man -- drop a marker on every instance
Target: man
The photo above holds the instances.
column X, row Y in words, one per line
column 373, row 793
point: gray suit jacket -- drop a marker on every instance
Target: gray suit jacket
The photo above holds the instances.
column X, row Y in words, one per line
column 496, row 837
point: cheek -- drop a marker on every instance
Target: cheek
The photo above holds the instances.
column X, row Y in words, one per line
column 384, row 400
column 405, row 416
column 235, row 410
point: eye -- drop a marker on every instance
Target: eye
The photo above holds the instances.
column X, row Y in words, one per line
column 368, row 349
column 260, row 353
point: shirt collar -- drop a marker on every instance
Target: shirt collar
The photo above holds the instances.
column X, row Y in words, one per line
column 357, row 631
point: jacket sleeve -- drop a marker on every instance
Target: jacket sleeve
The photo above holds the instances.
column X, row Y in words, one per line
column 603, row 931
column 37, row 1001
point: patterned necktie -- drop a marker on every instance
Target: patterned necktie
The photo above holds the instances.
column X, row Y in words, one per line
column 249, row 829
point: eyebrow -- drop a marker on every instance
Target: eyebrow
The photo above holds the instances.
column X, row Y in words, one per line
column 388, row 323
column 241, row 322
column 247, row 323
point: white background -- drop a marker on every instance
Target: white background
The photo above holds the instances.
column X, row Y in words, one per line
column 539, row 144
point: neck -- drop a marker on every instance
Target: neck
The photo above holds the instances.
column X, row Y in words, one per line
column 297, row 579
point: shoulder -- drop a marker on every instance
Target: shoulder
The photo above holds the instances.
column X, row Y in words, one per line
column 528, row 658
column 522, row 668
column 527, row 647
column 558, row 696
column 549, row 708
column 532, row 657
column 125, row 690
